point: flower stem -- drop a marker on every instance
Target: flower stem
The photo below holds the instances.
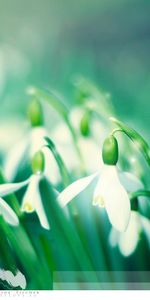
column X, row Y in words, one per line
column 62, row 167
column 139, row 193
column 135, row 137
column 116, row 130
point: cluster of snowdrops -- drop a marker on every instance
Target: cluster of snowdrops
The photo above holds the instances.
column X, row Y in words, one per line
column 87, row 141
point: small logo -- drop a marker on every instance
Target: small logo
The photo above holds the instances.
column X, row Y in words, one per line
column 17, row 280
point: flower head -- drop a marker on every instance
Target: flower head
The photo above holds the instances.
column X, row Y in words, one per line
column 90, row 133
column 109, row 191
column 111, row 194
column 32, row 198
column 31, row 143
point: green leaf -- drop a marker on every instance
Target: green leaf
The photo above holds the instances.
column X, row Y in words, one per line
column 64, row 231
column 136, row 138
column 11, row 199
column 27, row 256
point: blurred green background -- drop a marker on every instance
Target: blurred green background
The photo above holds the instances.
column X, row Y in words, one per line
column 48, row 42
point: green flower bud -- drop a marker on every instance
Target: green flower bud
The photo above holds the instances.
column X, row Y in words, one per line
column 84, row 125
column 35, row 113
column 110, row 151
column 38, row 163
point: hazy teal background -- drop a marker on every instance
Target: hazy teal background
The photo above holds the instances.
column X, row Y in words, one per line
column 47, row 42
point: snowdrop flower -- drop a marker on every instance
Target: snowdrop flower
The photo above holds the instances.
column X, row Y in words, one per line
column 5, row 210
column 109, row 191
column 32, row 201
column 128, row 240
column 90, row 134
column 33, row 142
column 32, row 198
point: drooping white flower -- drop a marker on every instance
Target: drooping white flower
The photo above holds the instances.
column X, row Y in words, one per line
column 109, row 192
column 32, row 142
column 32, row 200
column 93, row 141
column 128, row 240
column 5, row 210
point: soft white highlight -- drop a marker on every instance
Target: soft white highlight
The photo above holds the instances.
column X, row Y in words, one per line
column 17, row 280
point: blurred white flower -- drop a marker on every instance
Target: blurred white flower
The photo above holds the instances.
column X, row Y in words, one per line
column 90, row 145
column 34, row 141
column 29, row 145
column 5, row 210
column 109, row 192
column 128, row 240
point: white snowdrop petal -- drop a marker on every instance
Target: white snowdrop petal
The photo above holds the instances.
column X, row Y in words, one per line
column 115, row 198
column 97, row 197
column 129, row 239
column 37, row 139
column 8, row 188
column 8, row 214
column 62, row 138
column 76, row 116
column 32, row 201
column 74, row 189
column 40, row 210
column 14, row 158
column 51, row 170
column 30, row 194
column 130, row 181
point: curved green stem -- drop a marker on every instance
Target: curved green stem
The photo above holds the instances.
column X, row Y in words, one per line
column 139, row 193
column 116, row 130
column 63, row 169
column 135, row 137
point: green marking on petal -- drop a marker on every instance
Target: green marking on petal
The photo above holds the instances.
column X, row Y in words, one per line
column 98, row 201
column 27, row 207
